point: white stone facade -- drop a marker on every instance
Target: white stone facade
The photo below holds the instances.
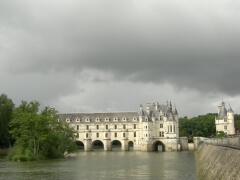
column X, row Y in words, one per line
column 157, row 125
column 225, row 120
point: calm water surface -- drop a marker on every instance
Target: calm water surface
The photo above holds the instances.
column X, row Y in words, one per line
column 106, row 165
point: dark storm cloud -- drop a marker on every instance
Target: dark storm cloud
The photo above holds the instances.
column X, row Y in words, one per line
column 193, row 44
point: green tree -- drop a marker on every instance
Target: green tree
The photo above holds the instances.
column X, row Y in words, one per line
column 237, row 122
column 203, row 125
column 38, row 134
column 6, row 109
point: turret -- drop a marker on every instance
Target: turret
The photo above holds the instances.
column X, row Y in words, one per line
column 222, row 113
column 141, row 110
column 148, row 108
column 175, row 111
column 230, row 116
column 219, row 108
column 156, row 106
column 141, row 113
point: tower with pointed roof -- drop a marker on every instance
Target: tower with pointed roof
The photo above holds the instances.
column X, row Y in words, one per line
column 225, row 120
column 159, row 123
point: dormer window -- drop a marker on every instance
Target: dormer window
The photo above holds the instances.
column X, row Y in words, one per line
column 115, row 119
column 68, row 120
column 87, row 120
column 106, row 119
column 78, row 119
column 124, row 119
column 134, row 119
column 146, row 119
column 97, row 119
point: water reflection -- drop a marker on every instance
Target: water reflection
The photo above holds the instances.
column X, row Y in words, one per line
column 106, row 165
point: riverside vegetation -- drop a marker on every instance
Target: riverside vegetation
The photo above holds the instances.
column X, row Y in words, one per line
column 32, row 133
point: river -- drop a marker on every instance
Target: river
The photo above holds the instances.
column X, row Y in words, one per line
column 106, row 165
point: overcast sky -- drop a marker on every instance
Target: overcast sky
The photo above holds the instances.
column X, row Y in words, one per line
column 102, row 56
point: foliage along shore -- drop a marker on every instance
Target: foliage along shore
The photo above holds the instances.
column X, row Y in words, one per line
column 34, row 133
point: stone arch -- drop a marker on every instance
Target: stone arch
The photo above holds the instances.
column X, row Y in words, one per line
column 80, row 145
column 97, row 145
column 158, row 146
column 130, row 145
column 116, row 145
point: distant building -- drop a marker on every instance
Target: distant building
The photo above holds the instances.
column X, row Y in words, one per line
column 155, row 127
column 225, row 120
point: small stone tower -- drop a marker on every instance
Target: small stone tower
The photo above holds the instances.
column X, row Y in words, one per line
column 225, row 120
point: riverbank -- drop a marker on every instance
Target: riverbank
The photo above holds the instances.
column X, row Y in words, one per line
column 4, row 152
column 216, row 162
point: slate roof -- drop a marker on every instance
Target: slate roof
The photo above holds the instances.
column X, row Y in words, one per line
column 101, row 116
column 164, row 109
column 230, row 109
column 223, row 112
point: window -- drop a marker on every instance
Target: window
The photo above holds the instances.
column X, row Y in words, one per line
column 124, row 126
column 77, row 127
column 106, row 135
column 134, row 126
column 97, row 127
column 170, row 128
column 67, row 120
column 86, row 135
column 123, row 134
column 77, row 135
column 115, row 134
column 97, row 135
column 146, row 135
column 161, row 118
column 225, row 127
column 78, row 120
column 87, row 126
column 146, row 127
column 161, row 134
column 106, row 126
column 225, row 119
column 115, row 126
column 134, row 134
column 161, row 125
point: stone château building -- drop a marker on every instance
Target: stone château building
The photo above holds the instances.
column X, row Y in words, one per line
column 225, row 120
column 153, row 129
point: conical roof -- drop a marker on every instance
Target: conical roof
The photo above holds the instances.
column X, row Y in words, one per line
column 230, row 109
column 223, row 112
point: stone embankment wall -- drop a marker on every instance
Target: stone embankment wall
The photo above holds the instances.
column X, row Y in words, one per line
column 217, row 162
column 232, row 141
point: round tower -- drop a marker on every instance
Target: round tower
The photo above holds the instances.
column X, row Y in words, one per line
column 230, row 119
